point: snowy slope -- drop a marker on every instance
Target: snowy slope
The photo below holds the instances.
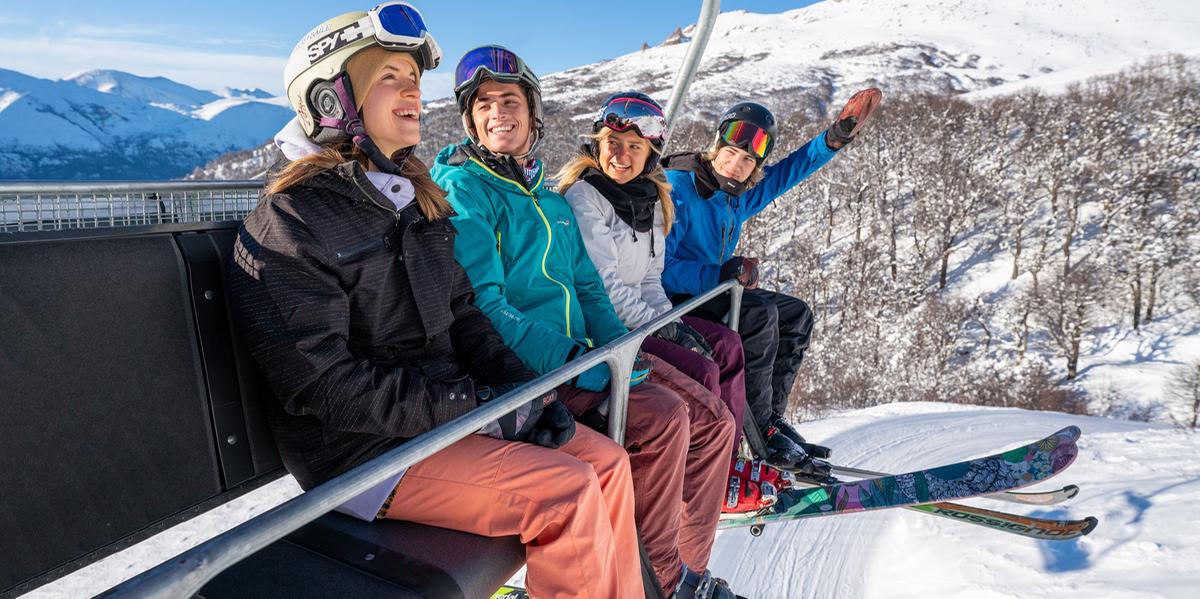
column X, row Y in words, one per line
column 832, row 48
column 1141, row 480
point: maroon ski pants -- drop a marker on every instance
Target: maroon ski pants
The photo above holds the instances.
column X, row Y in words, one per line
column 679, row 437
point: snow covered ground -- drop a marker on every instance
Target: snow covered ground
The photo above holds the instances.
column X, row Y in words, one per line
column 1141, row 480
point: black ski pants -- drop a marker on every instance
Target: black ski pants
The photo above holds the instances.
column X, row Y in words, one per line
column 775, row 330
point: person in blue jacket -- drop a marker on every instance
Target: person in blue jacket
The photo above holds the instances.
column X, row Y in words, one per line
column 714, row 193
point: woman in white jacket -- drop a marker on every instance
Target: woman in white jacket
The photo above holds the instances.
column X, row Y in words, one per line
column 622, row 200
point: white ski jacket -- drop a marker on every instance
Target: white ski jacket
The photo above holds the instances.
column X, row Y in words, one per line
column 632, row 274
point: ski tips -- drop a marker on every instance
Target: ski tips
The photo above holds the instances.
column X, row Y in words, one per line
column 1092, row 522
column 1071, row 491
column 1071, row 432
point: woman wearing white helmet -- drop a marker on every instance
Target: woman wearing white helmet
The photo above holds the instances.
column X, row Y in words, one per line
column 345, row 289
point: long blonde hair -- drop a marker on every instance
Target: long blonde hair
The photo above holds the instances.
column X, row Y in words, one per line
column 569, row 174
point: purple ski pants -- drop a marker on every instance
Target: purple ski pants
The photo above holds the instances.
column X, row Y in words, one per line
column 724, row 375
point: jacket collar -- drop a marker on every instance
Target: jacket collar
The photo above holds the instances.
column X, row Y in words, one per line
column 460, row 156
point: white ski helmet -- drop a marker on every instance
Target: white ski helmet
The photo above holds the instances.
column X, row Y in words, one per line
column 314, row 78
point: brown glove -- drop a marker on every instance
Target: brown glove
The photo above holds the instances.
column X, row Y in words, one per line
column 853, row 118
column 745, row 270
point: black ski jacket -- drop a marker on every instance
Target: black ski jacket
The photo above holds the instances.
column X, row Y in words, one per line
column 361, row 320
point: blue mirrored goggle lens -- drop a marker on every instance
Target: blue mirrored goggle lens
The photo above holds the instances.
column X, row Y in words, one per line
column 401, row 19
column 497, row 61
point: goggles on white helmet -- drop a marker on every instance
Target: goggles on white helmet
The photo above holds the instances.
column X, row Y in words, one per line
column 318, row 62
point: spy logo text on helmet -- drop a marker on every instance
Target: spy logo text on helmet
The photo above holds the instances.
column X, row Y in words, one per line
column 350, row 33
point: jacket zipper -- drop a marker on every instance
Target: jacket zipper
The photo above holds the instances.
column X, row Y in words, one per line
column 726, row 231
column 395, row 214
column 549, row 239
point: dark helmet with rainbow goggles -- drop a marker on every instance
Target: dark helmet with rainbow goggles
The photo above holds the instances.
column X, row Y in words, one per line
column 749, row 126
column 500, row 64
column 315, row 77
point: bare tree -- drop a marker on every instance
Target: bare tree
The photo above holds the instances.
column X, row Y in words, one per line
column 1069, row 310
column 1184, row 387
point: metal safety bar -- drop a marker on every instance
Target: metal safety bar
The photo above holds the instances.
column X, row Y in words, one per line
column 185, row 574
column 55, row 206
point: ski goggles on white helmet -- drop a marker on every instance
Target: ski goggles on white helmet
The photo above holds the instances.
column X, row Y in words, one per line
column 749, row 137
column 399, row 25
column 394, row 25
column 626, row 112
column 497, row 63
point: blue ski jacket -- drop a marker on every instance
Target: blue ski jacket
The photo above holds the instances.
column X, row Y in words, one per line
column 706, row 231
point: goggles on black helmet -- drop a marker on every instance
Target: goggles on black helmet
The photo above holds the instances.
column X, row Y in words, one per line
column 499, row 64
column 748, row 136
column 623, row 113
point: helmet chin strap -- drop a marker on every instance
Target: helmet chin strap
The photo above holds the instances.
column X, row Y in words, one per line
column 352, row 125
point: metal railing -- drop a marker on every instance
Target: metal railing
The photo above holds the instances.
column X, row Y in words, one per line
column 185, row 574
column 30, row 206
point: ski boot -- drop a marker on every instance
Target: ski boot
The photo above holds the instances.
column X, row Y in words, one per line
column 696, row 585
column 753, row 487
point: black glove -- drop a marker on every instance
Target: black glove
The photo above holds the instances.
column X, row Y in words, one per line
column 853, row 118
column 555, row 428
column 685, row 336
column 745, row 270
column 787, row 430
column 521, row 424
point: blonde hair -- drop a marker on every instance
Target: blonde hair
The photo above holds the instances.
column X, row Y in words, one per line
column 569, row 174
column 756, row 176
column 362, row 68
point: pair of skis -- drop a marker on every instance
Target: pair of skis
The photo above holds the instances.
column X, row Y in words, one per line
column 1043, row 529
column 930, row 491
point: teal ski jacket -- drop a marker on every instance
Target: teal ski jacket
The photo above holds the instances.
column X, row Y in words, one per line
column 523, row 252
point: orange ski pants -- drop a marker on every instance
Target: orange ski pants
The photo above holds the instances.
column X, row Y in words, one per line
column 572, row 507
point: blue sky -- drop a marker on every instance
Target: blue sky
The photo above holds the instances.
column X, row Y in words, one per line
column 216, row 43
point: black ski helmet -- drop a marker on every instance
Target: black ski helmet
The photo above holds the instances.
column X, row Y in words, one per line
column 755, row 114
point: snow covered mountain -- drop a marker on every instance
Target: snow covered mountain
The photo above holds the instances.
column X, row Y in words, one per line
column 808, row 57
column 114, row 125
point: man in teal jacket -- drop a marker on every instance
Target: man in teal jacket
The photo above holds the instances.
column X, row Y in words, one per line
column 521, row 247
